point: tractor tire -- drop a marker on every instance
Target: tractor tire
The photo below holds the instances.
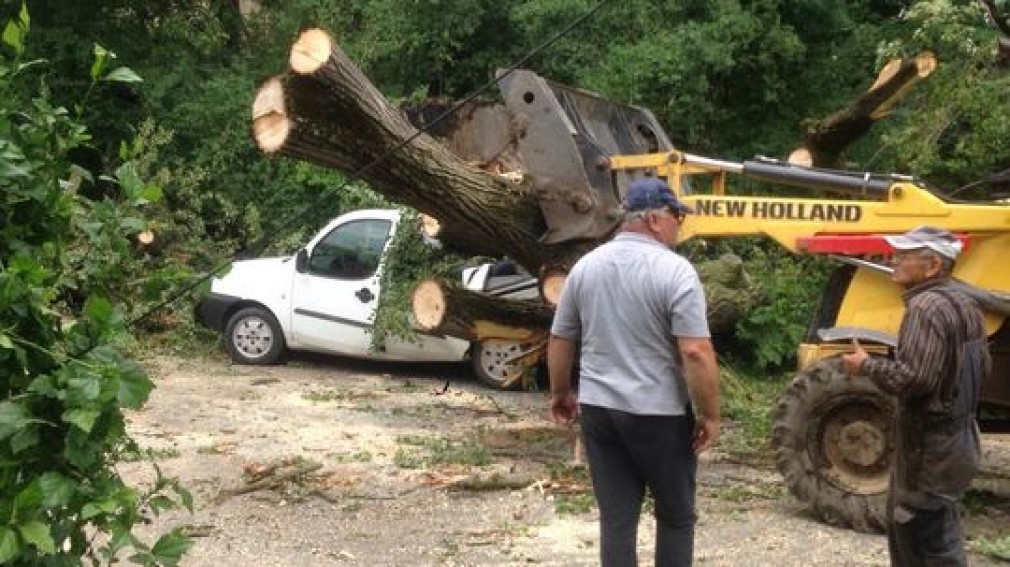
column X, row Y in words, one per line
column 833, row 439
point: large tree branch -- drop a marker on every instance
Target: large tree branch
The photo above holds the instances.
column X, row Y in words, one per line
column 826, row 140
column 324, row 110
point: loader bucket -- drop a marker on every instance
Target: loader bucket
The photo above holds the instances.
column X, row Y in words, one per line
column 564, row 137
column 559, row 138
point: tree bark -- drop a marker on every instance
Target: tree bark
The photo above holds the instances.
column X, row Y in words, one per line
column 325, row 111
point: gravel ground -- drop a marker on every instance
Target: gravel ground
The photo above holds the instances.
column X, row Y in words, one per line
column 376, row 497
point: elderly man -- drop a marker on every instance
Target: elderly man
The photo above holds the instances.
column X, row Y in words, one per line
column 940, row 360
column 648, row 379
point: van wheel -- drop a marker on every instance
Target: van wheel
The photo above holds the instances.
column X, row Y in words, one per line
column 253, row 336
column 833, row 441
column 490, row 364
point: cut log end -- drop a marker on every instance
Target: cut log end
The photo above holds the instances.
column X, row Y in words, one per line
column 145, row 238
column 428, row 305
column 551, row 284
column 271, row 125
column 310, row 52
column 801, row 156
column 430, row 227
column 925, row 63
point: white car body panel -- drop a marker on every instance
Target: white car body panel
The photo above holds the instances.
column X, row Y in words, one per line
column 330, row 314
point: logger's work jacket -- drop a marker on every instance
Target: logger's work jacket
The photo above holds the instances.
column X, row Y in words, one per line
column 936, row 373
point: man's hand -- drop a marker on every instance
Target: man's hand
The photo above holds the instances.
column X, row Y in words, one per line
column 706, row 432
column 853, row 362
column 564, row 407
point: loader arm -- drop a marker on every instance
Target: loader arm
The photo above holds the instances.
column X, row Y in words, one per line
column 863, row 209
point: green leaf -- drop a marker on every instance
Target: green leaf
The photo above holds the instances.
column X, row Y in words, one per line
column 14, row 37
column 23, row 16
column 57, row 490
column 29, row 498
column 5, row 342
column 99, row 309
column 185, row 496
column 25, row 439
column 92, row 509
column 83, row 419
column 101, row 54
column 13, row 417
column 151, row 194
column 133, row 224
column 32, row 63
column 134, row 387
column 143, row 558
column 123, row 75
column 37, row 534
column 122, row 537
column 82, row 173
column 128, row 178
column 83, row 388
column 9, row 548
column 170, row 547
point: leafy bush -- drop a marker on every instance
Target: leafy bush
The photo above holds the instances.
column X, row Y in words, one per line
column 410, row 259
column 63, row 383
column 791, row 287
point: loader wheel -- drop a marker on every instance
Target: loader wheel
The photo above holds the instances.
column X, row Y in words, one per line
column 833, row 443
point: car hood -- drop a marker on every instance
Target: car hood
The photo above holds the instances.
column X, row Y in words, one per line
column 247, row 275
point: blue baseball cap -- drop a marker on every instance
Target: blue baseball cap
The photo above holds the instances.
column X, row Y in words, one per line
column 652, row 193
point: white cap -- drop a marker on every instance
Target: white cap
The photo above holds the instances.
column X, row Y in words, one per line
column 936, row 239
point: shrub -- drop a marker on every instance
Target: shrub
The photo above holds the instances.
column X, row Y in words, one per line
column 63, row 384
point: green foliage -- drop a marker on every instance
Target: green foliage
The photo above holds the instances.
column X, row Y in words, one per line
column 954, row 129
column 409, row 260
column 577, row 498
column 998, row 548
column 441, row 48
column 426, row 452
column 63, row 385
column 792, row 287
column 747, row 405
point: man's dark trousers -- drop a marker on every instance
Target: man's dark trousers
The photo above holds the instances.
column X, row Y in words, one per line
column 926, row 538
column 628, row 453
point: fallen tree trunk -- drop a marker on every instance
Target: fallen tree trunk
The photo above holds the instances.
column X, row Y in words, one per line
column 448, row 308
column 325, row 111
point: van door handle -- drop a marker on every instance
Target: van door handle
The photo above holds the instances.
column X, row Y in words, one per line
column 364, row 294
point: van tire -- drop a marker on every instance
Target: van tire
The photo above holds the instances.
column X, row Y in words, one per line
column 253, row 336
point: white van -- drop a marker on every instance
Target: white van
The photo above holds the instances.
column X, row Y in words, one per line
column 323, row 299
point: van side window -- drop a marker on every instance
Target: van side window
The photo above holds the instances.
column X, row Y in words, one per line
column 352, row 251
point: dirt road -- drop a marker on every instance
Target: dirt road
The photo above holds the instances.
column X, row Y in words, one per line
column 384, row 469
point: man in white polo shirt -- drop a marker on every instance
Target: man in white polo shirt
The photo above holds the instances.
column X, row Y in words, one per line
column 648, row 380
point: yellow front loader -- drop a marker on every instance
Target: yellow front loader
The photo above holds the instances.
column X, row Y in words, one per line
column 832, row 433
